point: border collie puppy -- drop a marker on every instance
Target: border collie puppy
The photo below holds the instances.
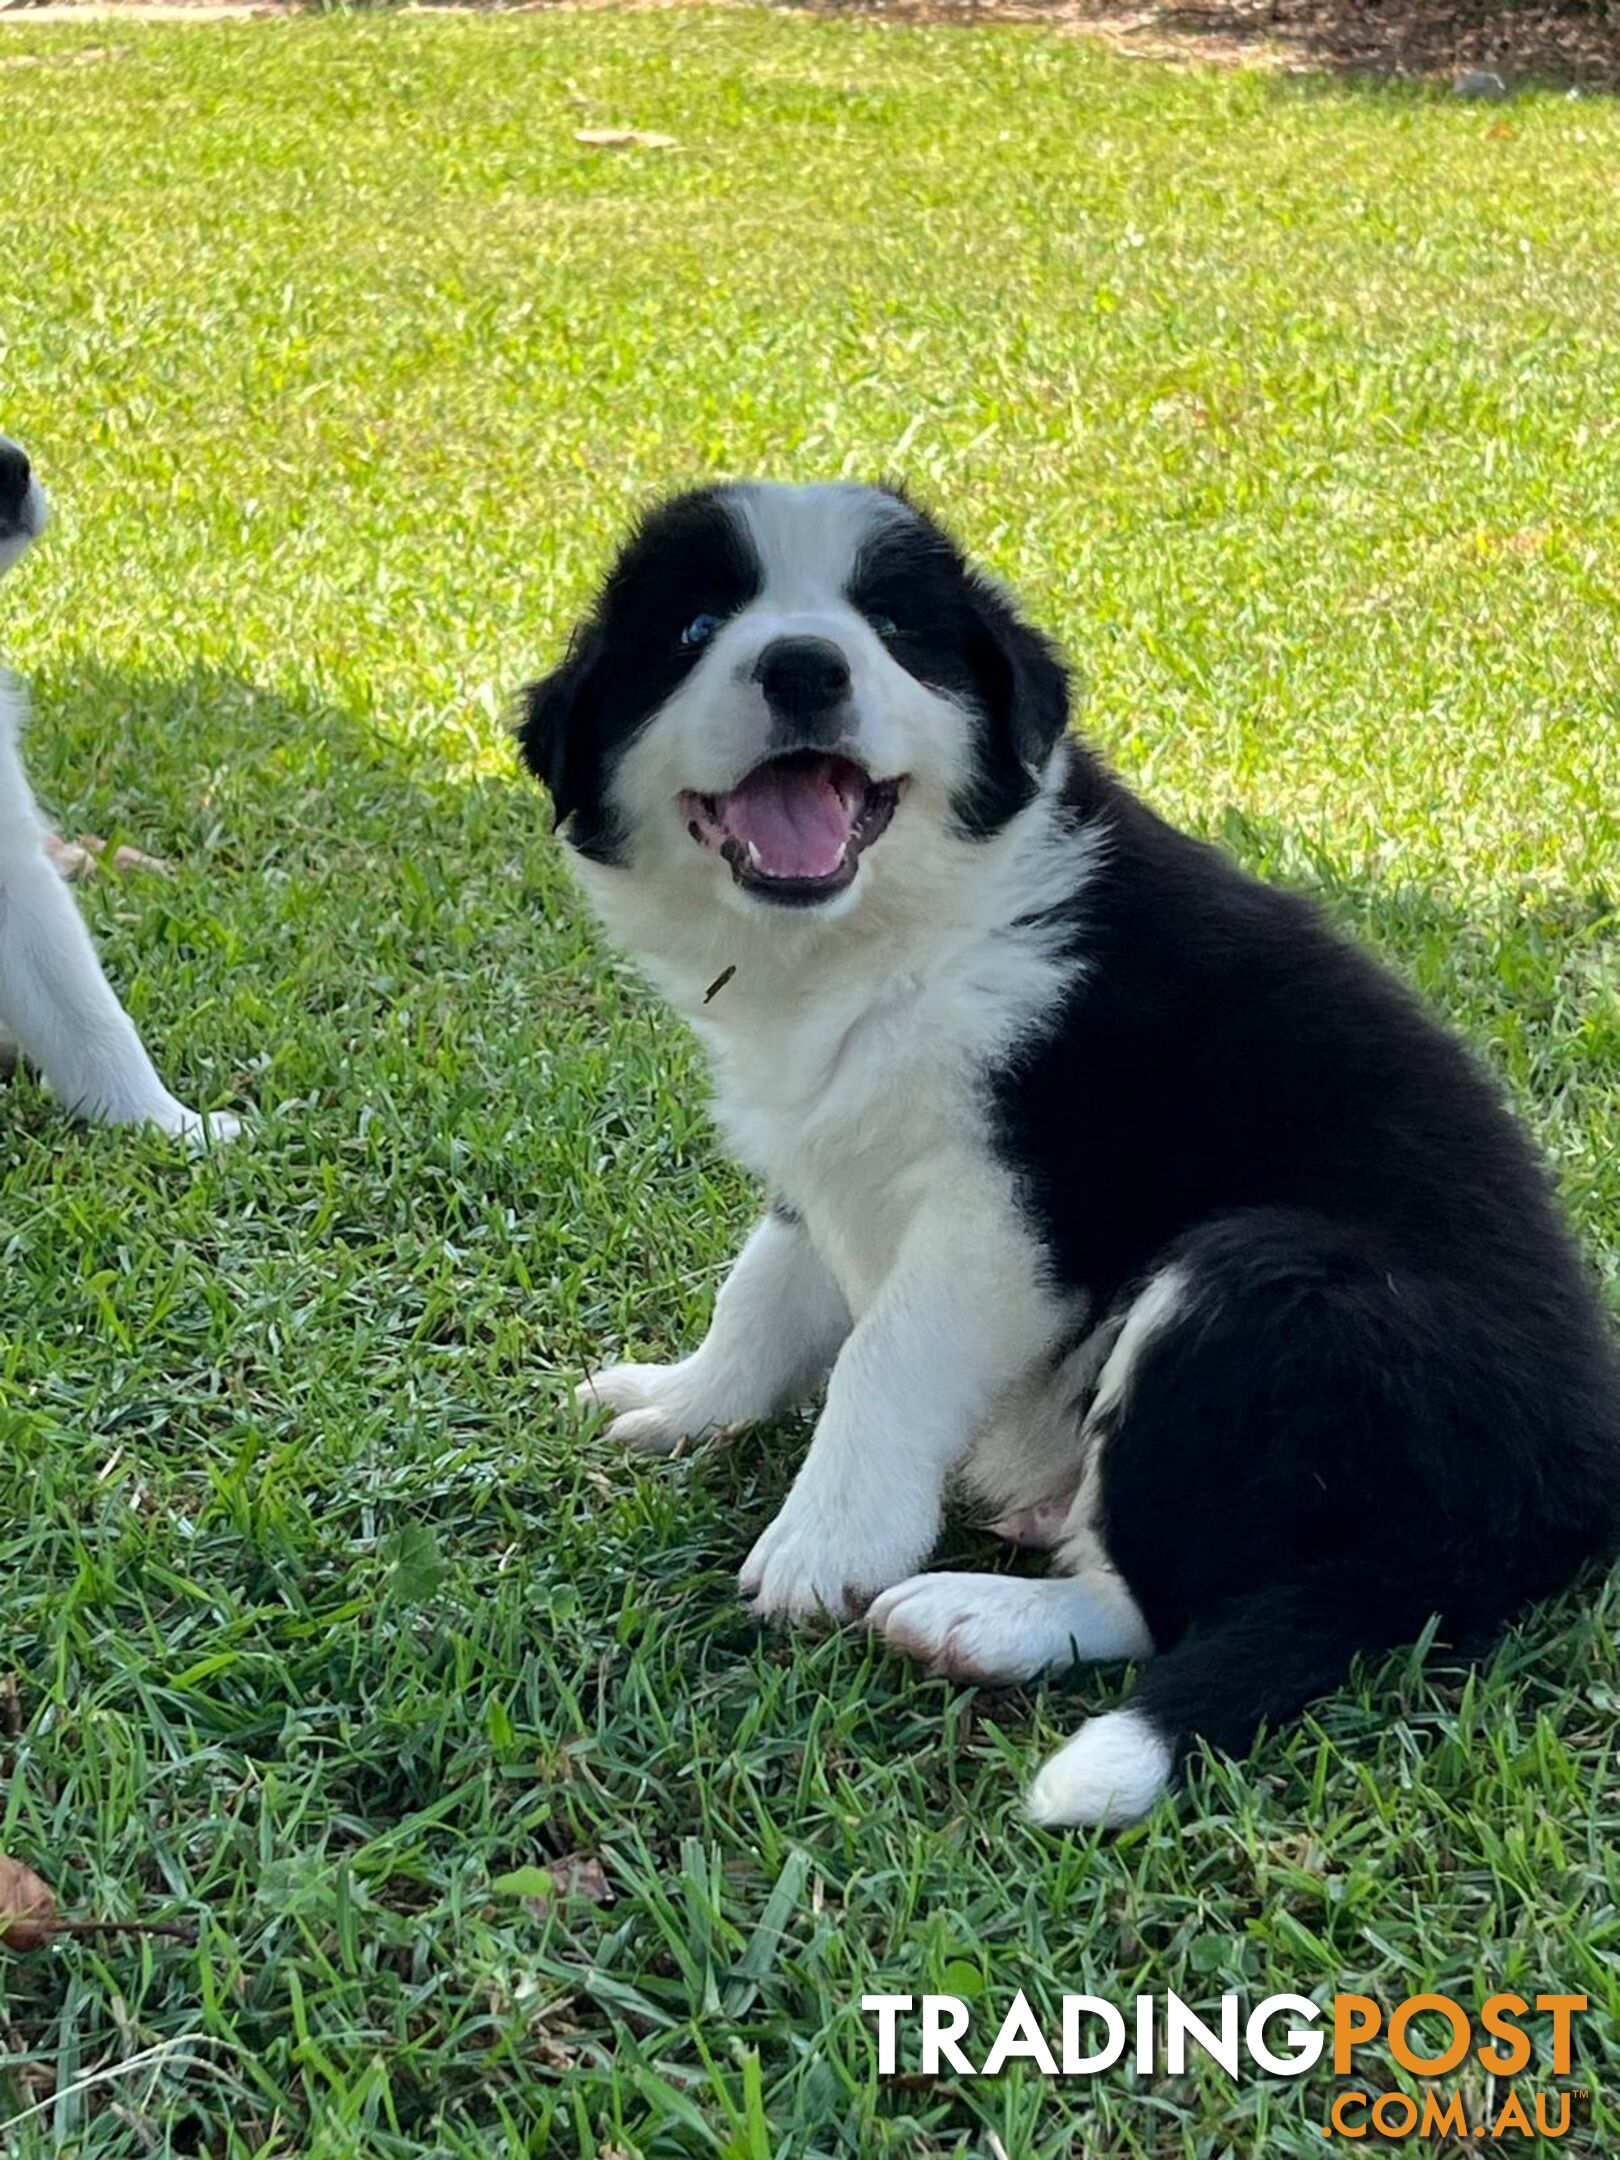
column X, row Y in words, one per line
column 55, row 1003
column 1103, row 1178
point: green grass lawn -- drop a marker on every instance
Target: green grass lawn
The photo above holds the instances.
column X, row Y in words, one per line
column 1291, row 409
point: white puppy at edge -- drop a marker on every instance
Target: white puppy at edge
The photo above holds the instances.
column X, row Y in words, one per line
column 56, row 1005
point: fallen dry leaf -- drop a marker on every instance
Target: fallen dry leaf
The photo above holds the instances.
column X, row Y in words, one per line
column 582, row 1875
column 75, row 859
column 559, row 2055
column 87, row 58
column 624, row 139
column 134, row 858
column 29, row 1919
column 576, row 1875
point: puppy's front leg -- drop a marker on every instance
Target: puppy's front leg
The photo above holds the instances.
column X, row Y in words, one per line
column 777, row 1325
column 54, row 999
column 961, row 1317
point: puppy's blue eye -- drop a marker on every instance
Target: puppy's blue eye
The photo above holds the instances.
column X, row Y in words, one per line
column 885, row 626
column 700, row 629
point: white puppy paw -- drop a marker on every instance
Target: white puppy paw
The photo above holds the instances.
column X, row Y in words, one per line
column 658, row 1406
column 972, row 1627
column 826, row 1561
column 1110, row 1773
column 197, row 1128
column 991, row 1628
column 207, row 1128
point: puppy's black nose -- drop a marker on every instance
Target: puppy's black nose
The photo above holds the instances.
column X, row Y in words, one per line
column 15, row 473
column 802, row 676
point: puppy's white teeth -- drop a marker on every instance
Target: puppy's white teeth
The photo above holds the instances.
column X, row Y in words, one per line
column 755, row 858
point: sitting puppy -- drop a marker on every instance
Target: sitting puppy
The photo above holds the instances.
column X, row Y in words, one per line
column 1102, row 1175
column 55, row 1003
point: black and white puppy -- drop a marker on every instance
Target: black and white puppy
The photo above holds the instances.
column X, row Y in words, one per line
column 56, row 1005
column 1102, row 1176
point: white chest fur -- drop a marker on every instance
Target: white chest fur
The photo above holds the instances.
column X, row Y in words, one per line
column 850, row 1059
column 860, row 1114
column 853, row 1059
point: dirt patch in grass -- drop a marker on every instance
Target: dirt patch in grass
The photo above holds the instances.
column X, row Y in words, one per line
column 1565, row 43
column 1572, row 44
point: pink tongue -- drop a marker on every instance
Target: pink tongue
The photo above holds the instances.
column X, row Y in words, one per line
column 794, row 817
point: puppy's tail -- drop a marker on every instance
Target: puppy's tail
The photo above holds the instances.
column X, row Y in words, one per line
column 1262, row 1659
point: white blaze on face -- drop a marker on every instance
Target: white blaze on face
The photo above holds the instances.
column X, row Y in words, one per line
column 807, row 541
column 707, row 776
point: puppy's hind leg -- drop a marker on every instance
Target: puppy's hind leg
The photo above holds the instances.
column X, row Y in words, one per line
column 1026, row 1465
column 998, row 1629
column 1256, row 1663
column 1308, row 1448
column 55, row 1002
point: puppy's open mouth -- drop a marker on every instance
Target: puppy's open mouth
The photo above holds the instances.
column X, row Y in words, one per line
column 795, row 828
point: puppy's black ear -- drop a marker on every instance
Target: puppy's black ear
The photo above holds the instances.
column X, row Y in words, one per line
column 543, row 735
column 1023, row 692
column 548, row 733
column 1034, row 683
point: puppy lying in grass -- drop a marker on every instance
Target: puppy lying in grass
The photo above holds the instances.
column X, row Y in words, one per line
column 56, row 1005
